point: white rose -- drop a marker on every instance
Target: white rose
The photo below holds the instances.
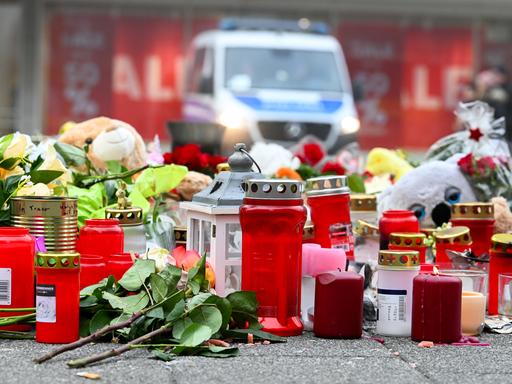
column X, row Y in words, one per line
column 270, row 157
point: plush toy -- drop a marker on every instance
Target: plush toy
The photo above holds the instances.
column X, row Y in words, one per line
column 111, row 140
column 429, row 190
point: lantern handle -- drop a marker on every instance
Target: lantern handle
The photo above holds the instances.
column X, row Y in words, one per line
column 244, row 151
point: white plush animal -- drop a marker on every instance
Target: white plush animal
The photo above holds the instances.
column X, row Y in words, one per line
column 429, row 190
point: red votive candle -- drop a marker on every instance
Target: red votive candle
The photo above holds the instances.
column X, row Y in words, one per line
column 436, row 308
column 479, row 218
column 339, row 305
column 408, row 241
column 57, row 297
column 456, row 239
column 92, row 269
column 102, row 237
column 500, row 262
column 396, row 221
column 329, row 200
column 17, row 249
column 118, row 264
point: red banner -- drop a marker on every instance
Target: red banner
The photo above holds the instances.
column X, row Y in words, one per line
column 79, row 79
column 147, row 70
column 437, row 61
column 374, row 57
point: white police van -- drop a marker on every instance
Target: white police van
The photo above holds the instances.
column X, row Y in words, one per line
column 273, row 81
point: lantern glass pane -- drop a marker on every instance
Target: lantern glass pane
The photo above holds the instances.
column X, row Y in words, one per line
column 195, row 234
column 233, row 241
column 233, row 278
column 206, row 227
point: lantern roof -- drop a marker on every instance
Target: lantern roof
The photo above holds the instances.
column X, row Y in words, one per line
column 226, row 187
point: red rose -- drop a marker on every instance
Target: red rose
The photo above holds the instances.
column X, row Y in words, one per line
column 466, row 164
column 486, row 162
column 333, row 167
column 188, row 155
column 168, row 159
column 312, row 154
column 214, row 160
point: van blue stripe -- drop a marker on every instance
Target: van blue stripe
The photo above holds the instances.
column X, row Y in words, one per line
column 323, row 106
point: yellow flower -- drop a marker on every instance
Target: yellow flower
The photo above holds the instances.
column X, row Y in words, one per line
column 5, row 173
column 38, row 189
column 381, row 161
column 18, row 146
column 52, row 163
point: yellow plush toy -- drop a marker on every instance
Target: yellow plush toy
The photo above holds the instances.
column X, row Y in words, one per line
column 384, row 161
column 110, row 140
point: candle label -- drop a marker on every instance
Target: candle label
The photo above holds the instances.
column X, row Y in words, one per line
column 391, row 306
column 46, row 303
column 341, row 236
column 5, row 286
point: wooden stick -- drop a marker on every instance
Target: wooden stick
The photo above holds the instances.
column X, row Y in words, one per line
column 79, row 363
column 89, row 339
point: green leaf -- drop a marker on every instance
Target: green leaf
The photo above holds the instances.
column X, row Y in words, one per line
column 138, row 200
column 157, row 313
column 5, row 141
column 88, row 301
column 128, row 304
column 172, row 276
column 136, row 276
column 154, row 181
column 84, row 326
column 73, row 156
column 114, row 167
column 177, row 311
column 9, row 163
column 158, row 287
column 224, row 306
column 194, row 286
column 195, row 334
column 101, row 319
column 244, row 301
column 356, row 183
column 90, row 200
column 241, row 335
column 180, row 326
column 12, row 183
column 207, row 315
column 122, row 317
column 198, row 299
column 158, row 354
column 174, row 306
column 44, row 177
column 220, row 352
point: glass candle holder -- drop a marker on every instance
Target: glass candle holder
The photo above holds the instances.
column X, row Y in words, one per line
column 366, row 243
column 505, row 294
column 474, row 299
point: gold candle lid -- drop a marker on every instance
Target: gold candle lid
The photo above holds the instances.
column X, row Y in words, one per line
column 473, row 211
column 407, row 239
column 454, row 235
column 502, row 243
column 124, row 212
column 57, row 260
column 222, row 167
column 364, row 228
column 362, row 202
column 400, row 259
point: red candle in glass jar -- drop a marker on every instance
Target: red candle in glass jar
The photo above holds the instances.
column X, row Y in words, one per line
column 92, row 270
column 17, row 249
column 396, row 221
column 339, row 305
column 118, row 264
column 479, row 218
column 456, row 239
column 57, row 297
column 272, row 218
column 436, row 308
column 329, row 200
column 408, row 241
column 500, row 262
column 102, row 237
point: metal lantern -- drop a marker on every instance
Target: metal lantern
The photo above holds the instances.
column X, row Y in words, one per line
column 213, row 224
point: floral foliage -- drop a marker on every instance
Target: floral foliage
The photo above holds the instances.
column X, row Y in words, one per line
column 191, row 156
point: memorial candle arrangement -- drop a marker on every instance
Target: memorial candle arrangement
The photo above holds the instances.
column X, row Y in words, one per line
column 456, row 239
column 500, row 262
column 396, row 271
column 57, row 297
column 396, row 221
column 102, row 237
column 272, row 218
column 436, row 314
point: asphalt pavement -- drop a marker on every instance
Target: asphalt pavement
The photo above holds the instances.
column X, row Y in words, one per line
column 303, row 359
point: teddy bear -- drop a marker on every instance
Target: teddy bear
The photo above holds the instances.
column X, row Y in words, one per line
column 109, row 139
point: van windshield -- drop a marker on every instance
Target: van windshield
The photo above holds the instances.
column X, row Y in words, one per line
column 289, row 69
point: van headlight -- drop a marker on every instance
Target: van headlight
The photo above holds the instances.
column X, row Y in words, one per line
column 350, row 124
column 231, row 120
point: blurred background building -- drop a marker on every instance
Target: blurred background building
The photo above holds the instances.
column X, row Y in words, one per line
column 410, row 61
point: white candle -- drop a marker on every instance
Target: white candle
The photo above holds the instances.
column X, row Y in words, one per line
column 473, row 313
